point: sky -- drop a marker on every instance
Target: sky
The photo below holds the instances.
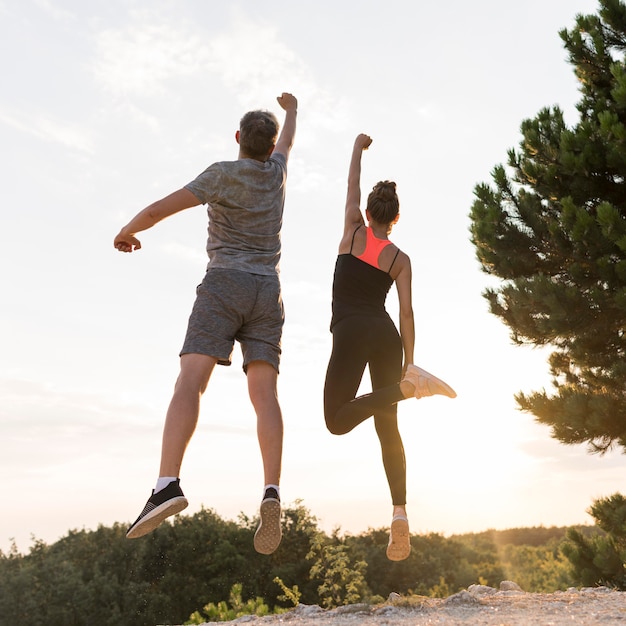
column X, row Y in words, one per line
column 108, row 106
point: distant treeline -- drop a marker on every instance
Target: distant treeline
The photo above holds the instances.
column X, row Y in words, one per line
column 193, row 564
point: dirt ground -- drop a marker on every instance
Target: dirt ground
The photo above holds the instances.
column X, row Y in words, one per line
column 477, row 606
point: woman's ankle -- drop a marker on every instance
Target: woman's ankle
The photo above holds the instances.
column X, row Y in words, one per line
column 407, row 389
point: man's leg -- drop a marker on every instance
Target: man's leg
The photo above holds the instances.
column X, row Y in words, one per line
column 262, row 387
column 182, row 416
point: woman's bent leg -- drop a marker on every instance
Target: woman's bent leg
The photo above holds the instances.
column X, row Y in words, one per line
column 352, row 342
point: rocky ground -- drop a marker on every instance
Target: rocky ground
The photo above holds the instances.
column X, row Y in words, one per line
column 479, row 605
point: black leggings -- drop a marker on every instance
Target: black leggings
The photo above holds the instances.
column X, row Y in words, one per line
column 357, row 342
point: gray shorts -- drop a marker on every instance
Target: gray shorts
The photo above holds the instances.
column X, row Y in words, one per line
column 236, row 306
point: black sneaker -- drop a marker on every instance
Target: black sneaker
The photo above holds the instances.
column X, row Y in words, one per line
column 161, row 505
column 269, row 533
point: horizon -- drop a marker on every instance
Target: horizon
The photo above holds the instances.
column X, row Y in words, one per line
column 286, row 506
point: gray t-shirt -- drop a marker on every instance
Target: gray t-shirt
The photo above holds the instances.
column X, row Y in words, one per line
column 245, row 201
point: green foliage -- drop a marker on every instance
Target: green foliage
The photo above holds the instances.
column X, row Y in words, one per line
column 440, row 590
column 289, row 594
column 102, row 578
column 532, row 536
column 599, row 559
column 341, row 577
column 540, row 569
column 201, row 567
column 290, row 563
column 432, row 558
column 221, row 612
column 532, row 557
column 552, row 227
column 62, row 584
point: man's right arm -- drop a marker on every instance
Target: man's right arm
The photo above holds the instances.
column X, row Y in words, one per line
column 180, row 200
column 288, row 132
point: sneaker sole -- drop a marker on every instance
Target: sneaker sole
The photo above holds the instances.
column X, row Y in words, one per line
column 268, row 535
column 153, row 519
column 399, row 546
column 444, row 388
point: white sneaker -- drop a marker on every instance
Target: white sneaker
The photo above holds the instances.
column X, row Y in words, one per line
column 426, row 384
column 399, row 546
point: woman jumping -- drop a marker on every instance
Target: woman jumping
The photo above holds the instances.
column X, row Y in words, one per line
column 364, row 334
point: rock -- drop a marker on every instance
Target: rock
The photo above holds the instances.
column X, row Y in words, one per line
column 353, row 608
column 509, row 585
column 462, row 597
column 387, row 611
column 481, row 590
column 595, row 590
column 307, row 610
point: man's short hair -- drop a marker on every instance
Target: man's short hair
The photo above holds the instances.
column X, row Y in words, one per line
column 257, row 133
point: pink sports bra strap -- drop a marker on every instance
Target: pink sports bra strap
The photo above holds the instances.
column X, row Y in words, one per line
column 373, row 248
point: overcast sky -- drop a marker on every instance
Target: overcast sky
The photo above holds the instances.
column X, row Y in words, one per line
column 107, row 106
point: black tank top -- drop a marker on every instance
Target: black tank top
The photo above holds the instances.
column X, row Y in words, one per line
column 358, row 289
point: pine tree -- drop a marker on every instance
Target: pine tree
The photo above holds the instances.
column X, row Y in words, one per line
column 552, row 227
column 600, row 559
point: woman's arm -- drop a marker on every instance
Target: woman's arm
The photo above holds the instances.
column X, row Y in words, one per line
column 353, row 216
column 407, row 322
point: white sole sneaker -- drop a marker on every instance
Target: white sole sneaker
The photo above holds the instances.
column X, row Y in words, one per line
column 159, row 506
column 399, row 546
column 269, row 533
column 427, row 384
